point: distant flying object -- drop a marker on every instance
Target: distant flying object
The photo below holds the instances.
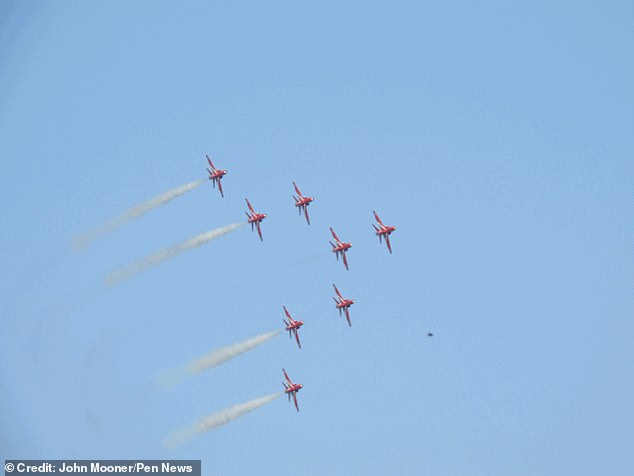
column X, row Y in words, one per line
column 302, row 202
column 429, row 334
column 291, row 388
column 215, row 175
column 292, row 326
column 343, row 304
column 255, row 218
column 340, row 247
column 383, row 231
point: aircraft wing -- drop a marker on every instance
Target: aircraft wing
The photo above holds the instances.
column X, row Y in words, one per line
column 377, row 218
column 287, row 314
column 286, row 376
column 335, row 236
column 345, row 261
column 297, row 190
column 387, row 241
column 295, row 400
column 250, row 207
column 220, row 187
column 257, row 224
column 348, row 317
column 337, row 291
column 210, row 163
column 297, row 339
column 306, row 213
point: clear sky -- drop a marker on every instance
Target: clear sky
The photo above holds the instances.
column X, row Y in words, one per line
column 497, row 137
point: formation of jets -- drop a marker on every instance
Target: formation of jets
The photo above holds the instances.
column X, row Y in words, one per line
column 302, row 202
column 338, row 248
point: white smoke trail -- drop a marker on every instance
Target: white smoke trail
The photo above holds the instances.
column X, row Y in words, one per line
column 219, row 356
column 86, row 239
column 143, row 264
column 217, row 419
column 171, row 377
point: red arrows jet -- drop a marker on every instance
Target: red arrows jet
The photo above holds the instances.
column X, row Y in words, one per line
column 340, row 247
column 292, row 326
column 291, row 388
column 255, row 218
column 383, row 231
column 343, row 304
column 302, row 202
column 215, row 175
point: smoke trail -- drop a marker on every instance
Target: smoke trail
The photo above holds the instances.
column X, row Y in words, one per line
column 217, row 419
column 219, row 356
column 171, row 377
column 86, row 239
column 143, row 264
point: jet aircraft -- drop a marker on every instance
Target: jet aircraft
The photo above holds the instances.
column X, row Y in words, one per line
column 343, row 304
column 255, row 218
column 292, row 326
column 302, row 202
column 340, row 247
column 383, row 231
column 291, row 388
column 215, row 175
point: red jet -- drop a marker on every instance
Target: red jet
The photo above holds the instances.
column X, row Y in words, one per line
column 340, row 247
column 383, row 231
column 215, row 175
column 293, row 326
column 255, row 218
column 302, row 202
column 291, row 388
column 343, row 304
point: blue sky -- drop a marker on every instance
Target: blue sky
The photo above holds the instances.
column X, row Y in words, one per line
column 496, row 137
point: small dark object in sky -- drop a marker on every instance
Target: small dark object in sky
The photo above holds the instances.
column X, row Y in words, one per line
column 429, row 334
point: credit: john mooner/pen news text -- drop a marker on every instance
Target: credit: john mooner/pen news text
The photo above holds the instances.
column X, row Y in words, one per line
column 89, row 467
